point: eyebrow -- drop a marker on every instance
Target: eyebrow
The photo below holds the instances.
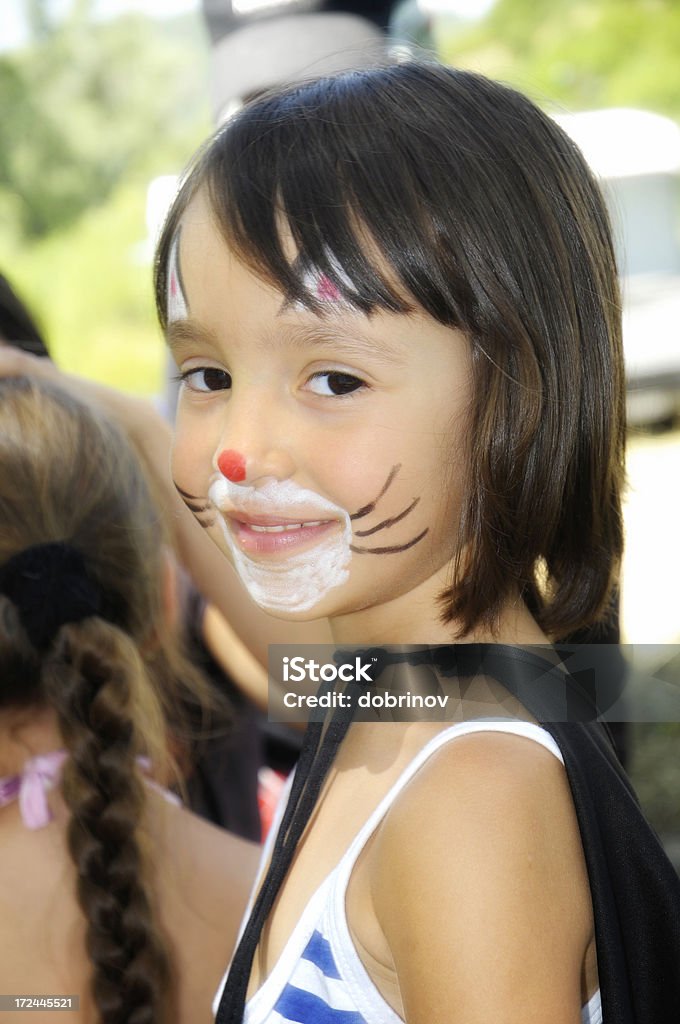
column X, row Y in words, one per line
column 187, row 330
column 350, row 340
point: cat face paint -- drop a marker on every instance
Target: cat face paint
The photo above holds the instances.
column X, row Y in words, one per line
column 352, row 430
column 385, row 524
column 320, row 286
column 232, row 465
column 178, row 308
column 299, row 542
column 275, row 520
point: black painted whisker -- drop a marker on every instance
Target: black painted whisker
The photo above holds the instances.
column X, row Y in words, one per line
column 190, row 497
column 366, row 509
column 390, row 550
column 205, row 524
column 193, row 501
column 386, row 523
column 196, row 509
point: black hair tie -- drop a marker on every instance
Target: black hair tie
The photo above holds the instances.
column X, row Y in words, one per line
column 49, row 585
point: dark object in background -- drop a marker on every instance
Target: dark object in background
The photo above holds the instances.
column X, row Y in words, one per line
column 221, row 19
column 17, row 326
column 223, row 782
column 377, row 11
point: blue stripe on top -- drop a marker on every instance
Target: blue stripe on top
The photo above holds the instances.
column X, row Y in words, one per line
column 318, row 950
column 307, row 997
column 303, row 1007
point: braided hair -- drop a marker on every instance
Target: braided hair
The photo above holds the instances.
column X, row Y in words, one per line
column 81, row 632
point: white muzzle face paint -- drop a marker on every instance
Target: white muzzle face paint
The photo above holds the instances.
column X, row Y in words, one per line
column 295, row 582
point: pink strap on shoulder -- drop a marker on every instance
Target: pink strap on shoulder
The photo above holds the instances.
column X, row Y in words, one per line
column 40, row 774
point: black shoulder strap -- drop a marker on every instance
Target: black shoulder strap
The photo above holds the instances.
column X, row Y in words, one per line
column 634, row 887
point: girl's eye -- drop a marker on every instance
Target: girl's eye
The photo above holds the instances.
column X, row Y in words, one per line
column 206, row 379
column 333, row 382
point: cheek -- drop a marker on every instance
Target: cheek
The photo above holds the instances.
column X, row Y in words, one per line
column 191, row 456
column 180, row 464
column 191, row 468
column 449, row 493
column 356, row 467
column 357, row 481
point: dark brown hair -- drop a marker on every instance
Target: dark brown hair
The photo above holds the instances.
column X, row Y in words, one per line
column 486, row 216
column 67, row 475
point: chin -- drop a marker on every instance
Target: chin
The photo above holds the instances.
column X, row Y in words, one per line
column 320, row 609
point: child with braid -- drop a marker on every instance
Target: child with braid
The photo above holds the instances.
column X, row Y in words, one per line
column 393, row 301
column 108, row 889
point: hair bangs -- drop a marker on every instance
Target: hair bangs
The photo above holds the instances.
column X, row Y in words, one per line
column 303, row 193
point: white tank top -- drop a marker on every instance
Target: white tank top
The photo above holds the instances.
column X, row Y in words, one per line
column 319, row 976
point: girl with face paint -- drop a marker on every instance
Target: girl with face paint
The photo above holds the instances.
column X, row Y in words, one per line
column 393, row 303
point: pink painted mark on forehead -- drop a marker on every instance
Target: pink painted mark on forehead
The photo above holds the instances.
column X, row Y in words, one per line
column 319, row 285
column 232, row 465
column 326, row 291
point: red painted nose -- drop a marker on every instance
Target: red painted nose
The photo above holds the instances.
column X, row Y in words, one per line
column 232, row 465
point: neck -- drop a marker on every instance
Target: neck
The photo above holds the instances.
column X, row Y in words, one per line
column 413, row 618
column 26, row 734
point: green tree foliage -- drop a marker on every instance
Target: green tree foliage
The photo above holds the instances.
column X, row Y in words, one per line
column 91, row 111
column 581, row 54
column 90, row 287
column 90, row 103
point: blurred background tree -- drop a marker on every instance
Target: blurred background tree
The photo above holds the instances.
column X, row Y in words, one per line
column 582, row 54
column 92, row 109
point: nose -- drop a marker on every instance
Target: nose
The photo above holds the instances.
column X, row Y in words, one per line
column 254, row 445
column 232, row 465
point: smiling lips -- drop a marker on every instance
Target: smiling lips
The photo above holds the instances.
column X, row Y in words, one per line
column 289, row 545
column 269, row 535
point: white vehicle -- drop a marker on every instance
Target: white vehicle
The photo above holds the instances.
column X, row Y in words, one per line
column 636, row 154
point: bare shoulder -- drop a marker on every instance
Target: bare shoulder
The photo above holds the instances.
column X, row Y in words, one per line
column 214, row 861
column 203, row 879
column 481, row 774
column 481, row 855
